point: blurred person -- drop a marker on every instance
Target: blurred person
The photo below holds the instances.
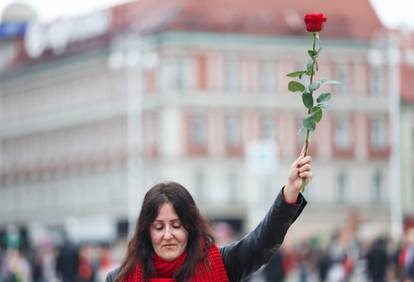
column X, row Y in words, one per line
column 86, row 269
column 172, row 242
column 50, row 253
column 37, row 264
column 406, row 257
column 1, row 264
column 323, row 264
column 289, row 261
column 106, row 263
column 377, row 260
column 16, row 267
column 223, row 232
column 67, row 262
column 304, row 257
column 274, row 270
column 344, row 251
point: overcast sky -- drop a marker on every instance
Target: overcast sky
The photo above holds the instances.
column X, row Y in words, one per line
column 393, row 13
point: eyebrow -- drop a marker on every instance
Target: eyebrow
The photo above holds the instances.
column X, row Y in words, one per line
column 162, row 221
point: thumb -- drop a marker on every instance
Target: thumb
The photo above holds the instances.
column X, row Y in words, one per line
column 303, row 151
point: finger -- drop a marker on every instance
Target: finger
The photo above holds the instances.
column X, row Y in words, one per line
column 296, row 162
column 306, row 167
column 307, row 175
column 301, row 160
column 302, row 152
column 305, row 160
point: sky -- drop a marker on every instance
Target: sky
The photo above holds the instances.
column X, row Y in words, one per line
column 393, row 13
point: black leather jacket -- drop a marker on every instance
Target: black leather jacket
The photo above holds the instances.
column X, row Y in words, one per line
column 243, row 257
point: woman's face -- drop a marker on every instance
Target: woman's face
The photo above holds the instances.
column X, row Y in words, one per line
column 168, row 235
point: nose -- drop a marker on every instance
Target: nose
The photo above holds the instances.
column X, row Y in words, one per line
column 168, row 233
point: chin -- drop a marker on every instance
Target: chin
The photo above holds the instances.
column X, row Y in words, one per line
column 170, row 257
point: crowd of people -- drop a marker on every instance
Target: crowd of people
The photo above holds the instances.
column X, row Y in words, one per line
column 344, row 258
column 66, row 263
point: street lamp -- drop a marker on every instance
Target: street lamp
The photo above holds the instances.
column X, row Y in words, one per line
column 393, row 59
column 128, row 54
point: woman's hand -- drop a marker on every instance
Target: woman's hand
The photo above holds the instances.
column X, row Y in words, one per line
column 300, row 169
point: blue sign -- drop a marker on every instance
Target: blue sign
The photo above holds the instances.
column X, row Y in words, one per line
column 11, row 30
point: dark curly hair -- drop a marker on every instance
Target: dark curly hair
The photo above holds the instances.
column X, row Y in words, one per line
column 140, row 250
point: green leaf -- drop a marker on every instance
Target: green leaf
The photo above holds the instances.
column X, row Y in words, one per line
column 316, row 114
column 295, row 74
column 322, row 105
column 312, row 53
column 294, row 86
column 309, row 68
column 314, row 86
column 328, row 82
column 301, row 129
column 324, row 97
column 307, row 100
column 319, row 50
column 309, row 123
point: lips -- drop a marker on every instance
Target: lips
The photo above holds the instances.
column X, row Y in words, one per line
column 169, row 245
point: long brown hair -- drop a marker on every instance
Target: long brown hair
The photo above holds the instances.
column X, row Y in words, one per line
column 140, row 249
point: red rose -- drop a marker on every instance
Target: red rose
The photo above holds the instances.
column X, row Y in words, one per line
column 314, row 22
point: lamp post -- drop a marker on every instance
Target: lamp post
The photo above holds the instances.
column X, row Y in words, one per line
column 393, row 58
column 127, row 56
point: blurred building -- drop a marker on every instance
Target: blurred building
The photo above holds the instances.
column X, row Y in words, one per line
column 406, row 40
column 96, row 109
column 18, row 12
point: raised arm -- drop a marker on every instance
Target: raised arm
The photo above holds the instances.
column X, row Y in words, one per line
column 245, row 256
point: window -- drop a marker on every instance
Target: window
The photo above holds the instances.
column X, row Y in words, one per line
column 198, row 130
column 412, row 141
column 412, row 189
column 360, row 79
column 378, row 188
column 341, row 74
column 378, row 133
column 231, row 74
column 150, row 137
column 376, row 81
column 177, row 73
column 200, row 185
column 232, row 127
column 310, row 190
column 234, row 189
column 267, row 76
column 266, row 127
column 268, row 188
column 342, row 184
column 342, row 133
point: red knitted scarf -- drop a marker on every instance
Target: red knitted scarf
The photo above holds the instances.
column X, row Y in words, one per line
column 165, row 269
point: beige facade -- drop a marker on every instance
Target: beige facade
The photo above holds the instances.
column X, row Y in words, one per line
column 64, row 131
column 84, row 134
column 407, row 173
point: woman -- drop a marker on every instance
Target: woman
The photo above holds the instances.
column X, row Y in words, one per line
column 172, row 242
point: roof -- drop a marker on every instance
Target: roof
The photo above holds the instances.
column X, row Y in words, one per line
column 354, row 19
column 259, row 17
